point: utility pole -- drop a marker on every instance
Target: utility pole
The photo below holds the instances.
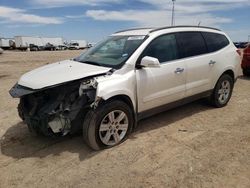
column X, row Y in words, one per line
column 173, row 19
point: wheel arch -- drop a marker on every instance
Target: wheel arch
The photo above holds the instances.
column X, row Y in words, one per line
column 229, row 72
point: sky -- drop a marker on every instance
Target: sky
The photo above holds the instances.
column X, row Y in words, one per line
column 93, row 20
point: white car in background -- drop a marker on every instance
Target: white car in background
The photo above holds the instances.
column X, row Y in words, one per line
column 131, row 75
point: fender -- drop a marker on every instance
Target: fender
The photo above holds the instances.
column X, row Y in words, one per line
column 117, row 84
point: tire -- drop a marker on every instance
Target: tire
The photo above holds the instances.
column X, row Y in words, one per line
column 99, row 132
column 20, row 110
column 246, row 72
column 222, row 91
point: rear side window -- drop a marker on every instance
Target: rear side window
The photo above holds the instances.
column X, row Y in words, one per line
column 191, row 44
column 164, row 48
column 215, row 41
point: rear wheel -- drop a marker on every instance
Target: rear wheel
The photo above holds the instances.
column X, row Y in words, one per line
column 108, row 125
column 222, row 91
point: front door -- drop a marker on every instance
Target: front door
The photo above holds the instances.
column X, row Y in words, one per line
column 165, row 84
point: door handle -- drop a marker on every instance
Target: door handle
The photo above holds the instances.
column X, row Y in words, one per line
column 179, row 70
column 211, row 62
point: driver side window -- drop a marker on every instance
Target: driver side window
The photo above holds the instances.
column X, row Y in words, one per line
column 164, row 48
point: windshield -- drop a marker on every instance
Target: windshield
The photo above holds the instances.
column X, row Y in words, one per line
column 112, row 52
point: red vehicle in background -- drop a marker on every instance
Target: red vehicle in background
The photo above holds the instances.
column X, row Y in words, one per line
column 245, row 65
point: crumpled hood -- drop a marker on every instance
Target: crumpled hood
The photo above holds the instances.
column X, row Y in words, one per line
column 60, row 72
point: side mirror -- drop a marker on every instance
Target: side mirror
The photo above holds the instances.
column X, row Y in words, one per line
column 150, row 62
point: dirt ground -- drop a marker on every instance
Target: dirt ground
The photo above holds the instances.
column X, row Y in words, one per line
column 191, row 146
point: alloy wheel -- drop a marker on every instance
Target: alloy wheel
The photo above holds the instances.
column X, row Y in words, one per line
column 113, row 128
column 224, row 92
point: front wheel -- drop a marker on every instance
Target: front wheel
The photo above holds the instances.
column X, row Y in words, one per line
column 108, row 125
column 222, row 91
column 20, row 109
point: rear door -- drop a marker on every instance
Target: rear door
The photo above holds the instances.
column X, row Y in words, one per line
column 198, row 63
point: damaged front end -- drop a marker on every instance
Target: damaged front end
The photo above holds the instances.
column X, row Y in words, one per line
column 58, row 110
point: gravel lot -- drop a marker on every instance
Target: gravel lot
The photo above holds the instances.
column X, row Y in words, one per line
column 191, row 146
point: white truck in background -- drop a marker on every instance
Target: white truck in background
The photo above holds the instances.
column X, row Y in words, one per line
column 56, row 41
column 78, row 44
column 24, row 42
column 5, row 43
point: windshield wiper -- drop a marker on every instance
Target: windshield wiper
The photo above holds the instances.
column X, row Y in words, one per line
column 91, row 63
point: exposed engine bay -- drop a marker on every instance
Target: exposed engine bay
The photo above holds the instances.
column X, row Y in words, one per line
column 57, row 110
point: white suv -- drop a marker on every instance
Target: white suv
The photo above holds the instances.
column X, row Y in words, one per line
column 131, row 75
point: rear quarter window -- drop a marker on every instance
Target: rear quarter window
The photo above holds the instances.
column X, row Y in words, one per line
column 215, row 41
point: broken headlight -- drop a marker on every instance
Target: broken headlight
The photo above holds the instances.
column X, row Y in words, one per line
column 87, row 85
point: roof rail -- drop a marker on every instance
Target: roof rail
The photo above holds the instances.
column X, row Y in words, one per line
column 134, row 29
column 179, row 26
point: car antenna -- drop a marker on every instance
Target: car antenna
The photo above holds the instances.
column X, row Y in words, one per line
column 199, row 23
